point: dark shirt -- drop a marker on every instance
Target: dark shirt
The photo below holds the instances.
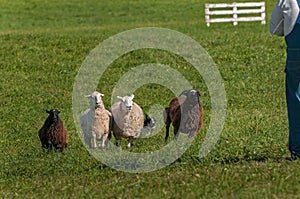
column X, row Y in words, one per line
column 293, row 39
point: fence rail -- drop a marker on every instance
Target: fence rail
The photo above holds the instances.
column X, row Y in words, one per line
column 257, row 10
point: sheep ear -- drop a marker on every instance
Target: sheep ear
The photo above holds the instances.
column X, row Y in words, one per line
column 101, row 94
column 58, row 111
column 47, row 111
column 132, row 96
column 147, row 117
column 120, row 98
column 184, row 92
column 88, row 96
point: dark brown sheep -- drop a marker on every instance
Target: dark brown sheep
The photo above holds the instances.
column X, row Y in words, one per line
column 53, row 132
column 184, row 113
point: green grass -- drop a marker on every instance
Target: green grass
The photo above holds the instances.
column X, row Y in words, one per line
column 43, row 45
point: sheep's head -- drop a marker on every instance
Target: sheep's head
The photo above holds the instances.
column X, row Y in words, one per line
column 149, row 122
column 127, row 101
column 53, row 114
column 192, row 96
column 95, row 100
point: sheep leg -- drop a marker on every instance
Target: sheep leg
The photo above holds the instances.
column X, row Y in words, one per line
column 87, row 140
column 94, row 140
column 130, row 142
column 104, row 141
column 117, row 143
column 49, row 146
column 167, row 132
column 192, row 133
column 109, row 135
column 45, row 145
column 176, row 133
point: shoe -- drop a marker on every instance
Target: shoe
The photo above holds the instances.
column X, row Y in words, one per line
column 294, row 156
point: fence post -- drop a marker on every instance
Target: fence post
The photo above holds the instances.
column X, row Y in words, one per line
column 235, row 16
column 263, row 14
column 207, row 15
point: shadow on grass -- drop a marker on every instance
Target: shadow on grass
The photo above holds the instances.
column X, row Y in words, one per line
column 228, row 160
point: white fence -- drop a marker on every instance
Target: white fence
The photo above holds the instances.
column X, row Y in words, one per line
column 251, row 11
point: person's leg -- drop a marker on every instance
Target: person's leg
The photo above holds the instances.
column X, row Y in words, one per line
column 293, row 107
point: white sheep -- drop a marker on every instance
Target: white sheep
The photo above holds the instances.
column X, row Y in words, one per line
column 128, row 119
column 95, row 122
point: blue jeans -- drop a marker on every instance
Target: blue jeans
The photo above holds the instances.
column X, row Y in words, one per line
column 293, row 105
column 292, row 70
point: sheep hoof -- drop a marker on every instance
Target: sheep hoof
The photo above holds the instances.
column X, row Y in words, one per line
column 130, row 143
column 101, row 146
column 176, row 138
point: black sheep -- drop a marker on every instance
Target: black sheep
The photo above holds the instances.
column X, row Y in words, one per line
column 149, row 126
column 53, row 132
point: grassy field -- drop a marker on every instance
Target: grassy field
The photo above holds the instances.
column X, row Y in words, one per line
column 43, row 45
